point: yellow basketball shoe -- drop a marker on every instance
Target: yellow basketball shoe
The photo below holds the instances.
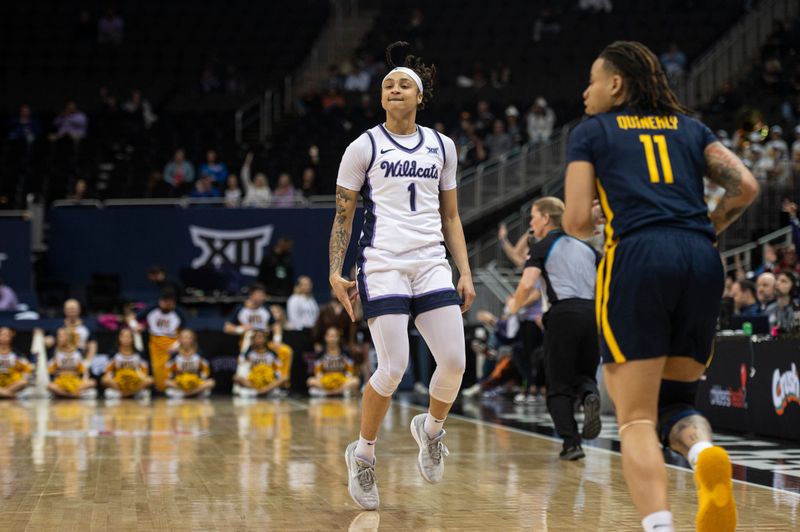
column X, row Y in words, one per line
column 716, row 508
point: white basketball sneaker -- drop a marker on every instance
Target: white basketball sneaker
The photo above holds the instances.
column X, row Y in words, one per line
column 361, row 482
column 432, row 451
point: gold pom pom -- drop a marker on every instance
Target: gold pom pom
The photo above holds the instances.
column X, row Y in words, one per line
column 69, row 382
column 188, row 381
column 332, row 381
column 7, row 379
column 128, row 379
column 261, row 375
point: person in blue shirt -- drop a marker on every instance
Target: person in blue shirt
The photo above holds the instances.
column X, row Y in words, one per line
column 659, row 285
column 744, row 299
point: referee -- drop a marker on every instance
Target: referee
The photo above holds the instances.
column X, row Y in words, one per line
column 569, row 269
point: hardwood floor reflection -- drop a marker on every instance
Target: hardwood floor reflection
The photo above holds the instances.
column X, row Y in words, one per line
column 278, row 465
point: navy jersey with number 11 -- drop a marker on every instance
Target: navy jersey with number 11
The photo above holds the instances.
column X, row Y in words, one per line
column 649, row 170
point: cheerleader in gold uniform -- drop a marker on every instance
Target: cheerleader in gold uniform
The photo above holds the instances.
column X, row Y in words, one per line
column 333, row 371
column 189, row 373
column 15, row 371
column 259, row 371
column 69, row 374
column 126, row 375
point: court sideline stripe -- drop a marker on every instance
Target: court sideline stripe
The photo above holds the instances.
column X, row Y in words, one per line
column 589, row 447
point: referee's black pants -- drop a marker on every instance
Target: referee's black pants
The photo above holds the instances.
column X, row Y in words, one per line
column 572, row 357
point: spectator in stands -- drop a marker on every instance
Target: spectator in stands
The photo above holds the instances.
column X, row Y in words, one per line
column 358, row 79
column 85, row 28
column 204, row 188
column 309, row 187
column 140, row 109
column 796, row 143
column 233, row 194
column 782, row 313
column 674, row 63
column 24, row 127
column 217, row 170
column 765, row 292
column 484, row 118
column 110, row 28
column 257, row 192
column 766, row 167
column 302, row 308
column 179, row 172
column 79, row 193
column 334, row 373
column 772, row 75
column 209, row 82
column 8, row 298
column 769, row 260
column 276, row 271
column 233, row 83
column 72, row 123
column 541, row 120
column 416, row 30
column 332, row 101
column 726, row 101
column 284, row 194
column 743, row 293
column 595, row 6
column 493, row 346
column 15, row 371
column 500, row 75
column 545, row 22
column 498, row 141
column 512, row 125
column 777, row 143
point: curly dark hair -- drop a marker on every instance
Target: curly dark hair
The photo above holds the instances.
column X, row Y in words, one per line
column 646, row 84
column 427, row 73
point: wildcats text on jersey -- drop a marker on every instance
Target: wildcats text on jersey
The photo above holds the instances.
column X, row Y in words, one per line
column 408, row 169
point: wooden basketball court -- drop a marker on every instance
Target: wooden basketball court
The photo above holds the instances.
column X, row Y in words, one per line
column 223, row 464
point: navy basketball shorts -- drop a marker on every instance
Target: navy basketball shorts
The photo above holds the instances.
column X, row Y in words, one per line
column 659, row 292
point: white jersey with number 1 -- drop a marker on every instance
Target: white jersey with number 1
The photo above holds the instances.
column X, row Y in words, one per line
column 400, row 177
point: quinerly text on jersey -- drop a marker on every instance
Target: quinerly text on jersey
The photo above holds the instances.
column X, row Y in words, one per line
column 400, row 178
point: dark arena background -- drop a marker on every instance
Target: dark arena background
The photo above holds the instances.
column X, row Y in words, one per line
column 185, row 154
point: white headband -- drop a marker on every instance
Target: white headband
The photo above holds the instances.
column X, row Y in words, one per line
column 413, row 75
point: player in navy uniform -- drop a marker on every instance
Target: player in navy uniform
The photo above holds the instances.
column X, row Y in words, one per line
column 659, row 285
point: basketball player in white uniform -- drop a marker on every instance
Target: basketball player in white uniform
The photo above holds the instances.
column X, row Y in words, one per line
column 406, row 175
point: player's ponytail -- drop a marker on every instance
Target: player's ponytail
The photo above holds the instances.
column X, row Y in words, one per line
column 646, row 85
column 427, row 73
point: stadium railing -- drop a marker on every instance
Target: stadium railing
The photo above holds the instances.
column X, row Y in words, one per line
column 731, row 56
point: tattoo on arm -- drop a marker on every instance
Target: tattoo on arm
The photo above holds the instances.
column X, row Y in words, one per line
column 342, row 228
column 724, row 169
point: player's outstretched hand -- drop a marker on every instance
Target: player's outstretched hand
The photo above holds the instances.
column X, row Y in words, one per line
column 466, row 291
column 342, row 287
